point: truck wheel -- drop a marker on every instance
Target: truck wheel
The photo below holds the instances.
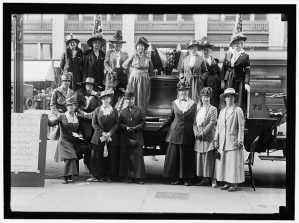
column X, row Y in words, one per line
column 29, row 103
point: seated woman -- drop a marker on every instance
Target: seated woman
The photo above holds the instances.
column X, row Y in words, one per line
column 66, row 150
column 105, row 152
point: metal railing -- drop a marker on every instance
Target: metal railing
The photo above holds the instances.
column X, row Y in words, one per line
column 229, row 26
column 164, row 26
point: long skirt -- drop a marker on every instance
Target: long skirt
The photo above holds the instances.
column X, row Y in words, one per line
column 205, row 164
column 196, row 86
column 132, row 162
column 70, row 167
column 139, row 83
column 230, row 167
column 179, row 162
column 100, row 165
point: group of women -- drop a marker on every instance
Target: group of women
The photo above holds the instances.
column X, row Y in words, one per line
column 197, row 145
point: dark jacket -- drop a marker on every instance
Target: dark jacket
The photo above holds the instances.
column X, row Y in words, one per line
column 135, row 118
column 181, row 126
column 93, row 66
column 58, row 100
column 241, row 67
column 105, row 123
column 74, row 65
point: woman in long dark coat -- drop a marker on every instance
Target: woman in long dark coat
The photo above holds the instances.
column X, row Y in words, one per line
column 93, row 59
column 213, row 76
column 179, row 160
column 87, row 103
column 105, row 151
column 131, row 124
column 66, row 150
column 194, row 70
column 72, row 61
column 236, row 70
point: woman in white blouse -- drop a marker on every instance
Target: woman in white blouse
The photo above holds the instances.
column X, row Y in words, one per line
column 194, row 69
column 204, row 131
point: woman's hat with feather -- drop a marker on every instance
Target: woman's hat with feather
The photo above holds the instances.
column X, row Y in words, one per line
column 97, row 32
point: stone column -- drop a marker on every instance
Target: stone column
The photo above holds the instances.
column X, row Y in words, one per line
column 128, row 30
column 252, row 17
column 201, row 25
column 276, row 31
column 58, row 38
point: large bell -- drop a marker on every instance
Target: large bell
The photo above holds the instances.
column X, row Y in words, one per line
column 163, row 90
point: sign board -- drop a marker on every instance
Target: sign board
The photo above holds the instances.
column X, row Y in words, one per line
column 28, row 149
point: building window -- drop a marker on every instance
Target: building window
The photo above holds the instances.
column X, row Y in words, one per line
column 73, row 17
column 116, row 17
column 245, row 17
column 88, row 18
column 142, row 17
column 46, row 51
column 30, row 51
column 260, row 17
column 214, row 17
column 171, row 17
column 230, row 17
column 187, row 17
column 158, row 17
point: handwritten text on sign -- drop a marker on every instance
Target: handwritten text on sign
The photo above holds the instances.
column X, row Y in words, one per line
column 25, row 131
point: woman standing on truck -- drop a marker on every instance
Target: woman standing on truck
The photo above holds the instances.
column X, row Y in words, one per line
column 72, row 61
column 142, row 67
column 194, row 69
column 204, row 131
column 179, row 159
column 229, row 139
column 236, row 69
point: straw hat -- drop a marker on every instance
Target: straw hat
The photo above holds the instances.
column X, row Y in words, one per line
column 228, row 91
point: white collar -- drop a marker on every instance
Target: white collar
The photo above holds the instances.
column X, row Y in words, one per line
column 184, row 106
column 106, row 111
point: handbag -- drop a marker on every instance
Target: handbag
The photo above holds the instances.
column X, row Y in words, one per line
column 216, row 154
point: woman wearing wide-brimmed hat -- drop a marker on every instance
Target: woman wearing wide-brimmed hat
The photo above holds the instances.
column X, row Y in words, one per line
column 213, row 76
column 117, row 76
column 236, row 69
column 105, row 152
column 204, row 131
column 94, row 59
column 72, row 60
column 66, row 151
column 229, row 139
column 142, row 68
column 87, row 103
column 194, row 69
column 179, row 159
column 131, row 125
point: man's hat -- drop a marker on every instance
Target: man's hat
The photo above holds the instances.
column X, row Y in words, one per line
column 117, row 38
column 70, row 38
column 88, row 80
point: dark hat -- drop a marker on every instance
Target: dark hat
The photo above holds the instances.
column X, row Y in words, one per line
column 237, row 37
column 96, row 36
column 70, row 38
column 192, row 43
column 228, row 91
column 71, row 101
column 129, row 94
column 183, row 85
column 205, row 43
column 206, row 91
column 143, row 41
column 117, row 38
column 88, row 80
column 66, row 77
column 108, row 93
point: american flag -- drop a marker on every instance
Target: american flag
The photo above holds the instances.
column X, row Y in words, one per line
column 238, row 27
column 98, row 24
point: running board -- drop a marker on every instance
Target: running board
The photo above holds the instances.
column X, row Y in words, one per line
column 276, row 158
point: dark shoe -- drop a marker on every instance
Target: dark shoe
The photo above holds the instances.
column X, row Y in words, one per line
column 129, row 180
column 233, row 188
column 139, row 182
column 187, row 183
column 64, row 181
column 204, row 182
column 70, row 179
column 108, row 179
column 225, row 187
column 176, row 182
column 101, row 179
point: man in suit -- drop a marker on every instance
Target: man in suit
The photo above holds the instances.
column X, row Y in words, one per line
column 116, row 77
column 131, row 124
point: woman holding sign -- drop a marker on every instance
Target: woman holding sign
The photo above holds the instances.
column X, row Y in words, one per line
column 105, row 153
column 66, row 150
